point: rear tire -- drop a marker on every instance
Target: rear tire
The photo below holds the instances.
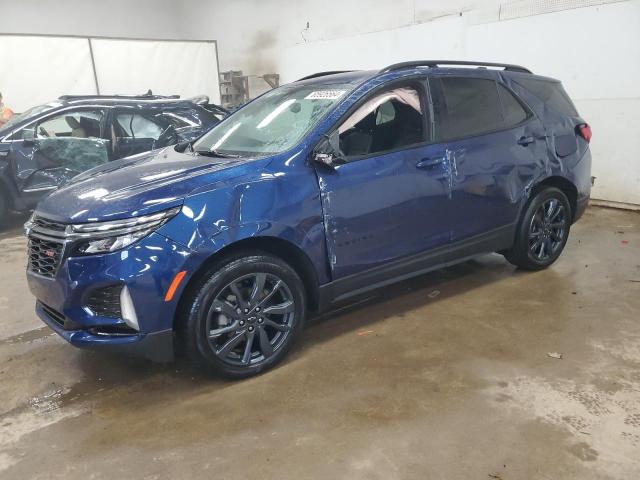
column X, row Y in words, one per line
column 542, row 232
column 244, row 315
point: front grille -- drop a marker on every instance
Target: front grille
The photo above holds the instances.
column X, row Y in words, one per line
column 105, row 301
column 43, row 223
column 44, row 256
column 54, row 315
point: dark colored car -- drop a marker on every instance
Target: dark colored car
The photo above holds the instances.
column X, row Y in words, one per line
column 308, row 196
column 47, row 145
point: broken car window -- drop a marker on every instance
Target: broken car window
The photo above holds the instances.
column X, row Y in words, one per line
column 273, row 122
column 74, row 154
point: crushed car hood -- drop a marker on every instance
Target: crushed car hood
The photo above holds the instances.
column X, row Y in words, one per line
column 133, row 186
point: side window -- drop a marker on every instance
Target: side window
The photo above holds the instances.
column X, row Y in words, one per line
column 134, row 125
column 387, row 121
column 79, row 124
column 463, row 107
column 514, row 112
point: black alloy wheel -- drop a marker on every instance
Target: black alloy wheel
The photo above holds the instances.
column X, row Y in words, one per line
column 250, row 319
column 244, row 315
column 542, row 231
column 547, row 229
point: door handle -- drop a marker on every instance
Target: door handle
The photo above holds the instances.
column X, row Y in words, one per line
column 426, row 163
column 524, row 141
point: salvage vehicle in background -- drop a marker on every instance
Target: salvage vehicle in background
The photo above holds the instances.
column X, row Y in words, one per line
column 310, row 195
column 49, row 144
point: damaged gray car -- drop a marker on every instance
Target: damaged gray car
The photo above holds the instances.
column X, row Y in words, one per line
column 49, row 144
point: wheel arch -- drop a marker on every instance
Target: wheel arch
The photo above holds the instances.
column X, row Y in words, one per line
column 283, row 249
column 565, row 186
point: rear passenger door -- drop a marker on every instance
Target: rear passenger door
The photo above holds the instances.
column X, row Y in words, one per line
column 494, row 145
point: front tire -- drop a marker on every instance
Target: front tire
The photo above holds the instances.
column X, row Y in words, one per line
column 4, row 209
column 542, row 232
column 245, row 315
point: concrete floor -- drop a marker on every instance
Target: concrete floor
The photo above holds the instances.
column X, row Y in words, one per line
column 445, row 376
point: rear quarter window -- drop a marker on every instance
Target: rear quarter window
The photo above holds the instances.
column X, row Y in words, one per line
column 551, row 93
column 514, row 112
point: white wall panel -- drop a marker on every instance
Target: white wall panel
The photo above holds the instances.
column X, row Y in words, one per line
column 106, row 18
column 134, row 66
column 615, row 147
column 441, row 39
column 36, row 70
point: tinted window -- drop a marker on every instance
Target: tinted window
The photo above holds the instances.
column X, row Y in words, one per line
column 551, row 93
column 464, row 107
column 514, row 112
column 387, row 121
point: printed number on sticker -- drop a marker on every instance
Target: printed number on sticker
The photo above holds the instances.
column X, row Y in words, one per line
column 325, row 95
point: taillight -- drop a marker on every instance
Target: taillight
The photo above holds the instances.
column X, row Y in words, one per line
column 585, row 131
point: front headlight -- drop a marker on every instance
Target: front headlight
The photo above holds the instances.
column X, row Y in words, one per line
column 106, row 237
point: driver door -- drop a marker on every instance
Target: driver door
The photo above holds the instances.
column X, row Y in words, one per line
column 387, row 205
column 50, row 152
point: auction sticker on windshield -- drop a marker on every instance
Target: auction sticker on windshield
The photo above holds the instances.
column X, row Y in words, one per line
column 325, row 95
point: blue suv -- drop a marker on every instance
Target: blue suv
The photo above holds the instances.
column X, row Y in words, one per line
column 313, row 193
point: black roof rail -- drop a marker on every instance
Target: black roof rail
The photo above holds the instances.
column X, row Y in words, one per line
column 436, row 63
column 119, row 97
column 322, row 74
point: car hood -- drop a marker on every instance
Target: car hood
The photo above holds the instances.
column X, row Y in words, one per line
column 133, row 186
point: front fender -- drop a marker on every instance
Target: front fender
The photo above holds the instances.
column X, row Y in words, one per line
column 283, row 205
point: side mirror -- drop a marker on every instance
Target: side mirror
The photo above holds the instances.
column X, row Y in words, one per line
column 328, row 151
column 326, row 159
column 182, row 146
column 28, row 137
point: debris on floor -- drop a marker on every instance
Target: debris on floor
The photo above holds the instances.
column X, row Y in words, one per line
column 433, row 294
column 365, row 332
column 555, row 355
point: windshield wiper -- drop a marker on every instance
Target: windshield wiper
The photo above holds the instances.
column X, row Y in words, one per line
column 216, row 153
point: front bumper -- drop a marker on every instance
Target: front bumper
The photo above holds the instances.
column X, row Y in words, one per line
column 155, row 346
column 146, row 268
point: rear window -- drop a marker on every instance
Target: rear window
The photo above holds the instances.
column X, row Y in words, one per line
column 551, row 93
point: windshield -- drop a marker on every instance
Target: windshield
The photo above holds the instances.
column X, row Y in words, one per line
column 14, row 120
column 273, row 122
